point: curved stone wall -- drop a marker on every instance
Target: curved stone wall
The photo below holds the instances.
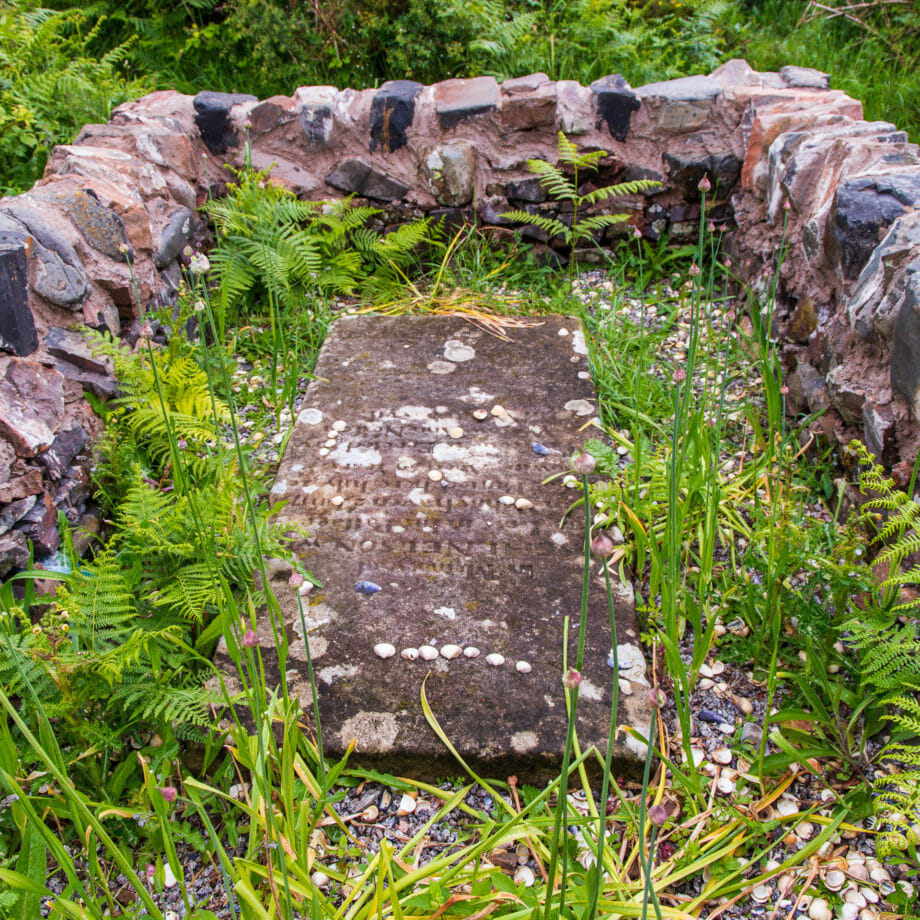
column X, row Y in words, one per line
column 791, row 162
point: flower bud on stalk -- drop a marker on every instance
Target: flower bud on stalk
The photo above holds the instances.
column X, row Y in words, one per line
column 583, row 463
column 601, row 546
column 571, row 679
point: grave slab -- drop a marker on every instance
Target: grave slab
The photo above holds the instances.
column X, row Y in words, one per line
column 427, row 465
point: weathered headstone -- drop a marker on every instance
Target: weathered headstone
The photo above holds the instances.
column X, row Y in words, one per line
column 427, row 462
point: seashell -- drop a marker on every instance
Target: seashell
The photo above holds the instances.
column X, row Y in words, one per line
column 498, row 410
column 786, row 807
column 384, row 650
column 495, row 659
column 428, row 652
column 785, row 883
column 169, row 879
column 722, row 755
column 762, row 893
column 523, row 504
column 626, row 687
column 835, row 880
column 370, row 814
column 540, row 449
column 718, row 667
column 870, row 894
column 706, row 671
column 471, row 652
column 523, row 667
column 406, row 805
column 320, row 879
column 820, row 910
column 524, row 876
column 853, row 896
column 339, row 425
column 707, row 683
column 743, row 705
column 868, row 914
column 329, row 443
column 848, row 911
column 506, row 500
column 410, row 654
column 880, row 875
column 456, row 432
column 367, row 587
column 699, row 755
column 305, row 588
column 804, row 830
column 725, row 785
column 480, row 414
column 451, row 651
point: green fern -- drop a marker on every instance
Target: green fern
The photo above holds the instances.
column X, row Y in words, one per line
column 562, row 187
column 888, row 645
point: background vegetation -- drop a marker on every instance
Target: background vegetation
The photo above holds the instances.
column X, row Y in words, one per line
column 67, row 62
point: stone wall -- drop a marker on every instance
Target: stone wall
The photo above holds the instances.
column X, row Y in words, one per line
column 788, row 158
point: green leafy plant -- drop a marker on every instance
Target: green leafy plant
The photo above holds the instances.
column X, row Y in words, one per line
column 562, row 183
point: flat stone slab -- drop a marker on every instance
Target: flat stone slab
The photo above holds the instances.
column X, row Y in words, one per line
column 419, row 467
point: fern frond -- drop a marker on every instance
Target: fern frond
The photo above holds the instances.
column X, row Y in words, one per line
column 621, row 190
column 553, row 180
column 548, row 224
column 602, row 221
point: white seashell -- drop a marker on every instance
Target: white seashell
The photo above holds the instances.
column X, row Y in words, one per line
column 856, row 868
column 870, row 894
column 456, row 432
column 868, row 914
column 428, row 652
column 506, row 500
column 471, row 652
column 170, row 915
column 435, row 475
column 880, row 875
column 706, row 671
column 523, row 504
column 384, row 650
column 718, row 667
column 524, row 876
column 699, row 755
column 339, row 425
column 369, row 815
column 762, row 893
column 329, row 443
column 238, row 791
column 169, row 880
column 320, row 879
column 848, row 912
column 725, row 785
column 852, row 896
column 707, row 683
column 451, row 651
column 480, row 414
column 785, row 883
column 523, row 667
column 786, row 807
column 495, row 659
column 498, row 410
column 410, row 654
column 804, row 830
column 722, row 755
column 835, row 880
column 305, row 588
column 820, row 910
column 726, row 728
column 406, row 805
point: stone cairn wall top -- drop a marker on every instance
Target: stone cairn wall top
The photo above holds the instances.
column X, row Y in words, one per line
column 784, row 152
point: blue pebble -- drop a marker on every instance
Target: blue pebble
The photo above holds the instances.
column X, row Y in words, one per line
column 610, row 660
column 367, row 587
column 707, row 715
column 541, row 450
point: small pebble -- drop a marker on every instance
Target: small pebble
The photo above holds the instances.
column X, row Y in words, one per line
column 339, row 425
column 707, row 715
column 384, row 650
column 410, row 654
column 506, row 500
column 523, row 667
column 495, row 659
column 626, row 687
column 320, row 879
column 435, row 475
column 539, row 449
column 726, row 728
column 337, row 500
column 367, row 587
column 523, row 504
column 329, row 443
column 451, row 651
column 428, row 652
column 743, row 705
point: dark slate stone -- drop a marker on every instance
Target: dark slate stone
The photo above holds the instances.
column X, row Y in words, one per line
column 14, row 552
column 634, row 173
column 862, row 212
column 212, row 116
column 176, row 234
column 316, row 122
column 805, row 77
column 35, row 223
column 65, row 447
column 614, row 102
column 102, row 228
column 40, row 527
column 354, row 175
column 905, row 344
column 527, row 190
column 17, row 325
column 392, row 112
column 73, row 347
column 685, row 173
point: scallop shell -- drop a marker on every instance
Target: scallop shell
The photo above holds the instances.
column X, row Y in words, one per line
column 428, row 652
column 480, row 414
column 471, row 652
column 523, row 504
column 495, row 659
column 451, row 651
column 384, row 650
column 523, row 667
column 410, row 654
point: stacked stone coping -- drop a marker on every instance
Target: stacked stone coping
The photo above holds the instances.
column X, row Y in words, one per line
column 793, row 165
